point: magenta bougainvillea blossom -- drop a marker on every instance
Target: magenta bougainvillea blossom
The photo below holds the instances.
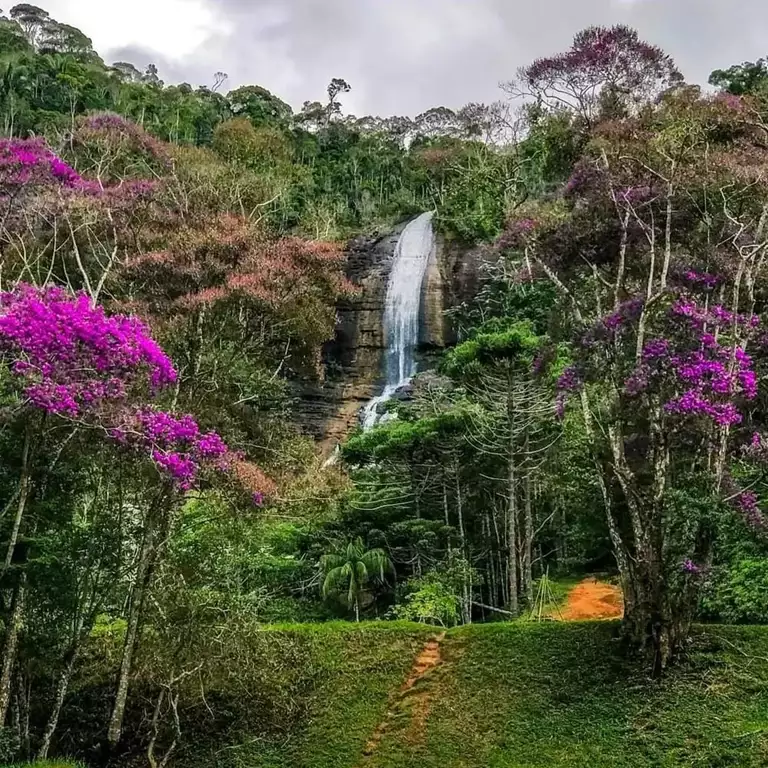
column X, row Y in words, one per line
column 71, row 359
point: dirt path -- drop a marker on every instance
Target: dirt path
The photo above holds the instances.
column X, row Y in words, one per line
column 412, row 696
column 592, row 599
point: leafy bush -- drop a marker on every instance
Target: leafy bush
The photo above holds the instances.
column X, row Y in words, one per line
column 431, row 601
column 739, row 594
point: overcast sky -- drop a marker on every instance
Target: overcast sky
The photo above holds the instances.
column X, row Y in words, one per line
column 400, row 56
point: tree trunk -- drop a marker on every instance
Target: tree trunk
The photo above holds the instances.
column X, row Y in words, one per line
column 446, row 510
column 512, row 536
column 514, row 605
column 357, row 610
column 58, row 700
column 526, row 568
column 22, row 708
column 465, row 581
column 11, row 646
column 140, row 588
column 25, row 485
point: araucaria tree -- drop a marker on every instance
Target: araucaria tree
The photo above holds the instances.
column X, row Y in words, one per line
column 657, row 248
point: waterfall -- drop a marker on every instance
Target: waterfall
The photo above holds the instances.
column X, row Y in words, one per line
column 402, row 310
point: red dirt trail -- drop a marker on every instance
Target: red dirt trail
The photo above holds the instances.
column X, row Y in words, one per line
column 592, row 599
column 417, row 702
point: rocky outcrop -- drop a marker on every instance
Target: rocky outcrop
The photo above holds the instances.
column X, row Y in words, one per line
column 453, row 278
column 353, row 360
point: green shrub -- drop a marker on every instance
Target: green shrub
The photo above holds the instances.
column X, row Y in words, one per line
column 738, row 594
column 431, row 602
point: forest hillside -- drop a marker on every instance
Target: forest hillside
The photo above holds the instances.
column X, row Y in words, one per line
column 187, row 576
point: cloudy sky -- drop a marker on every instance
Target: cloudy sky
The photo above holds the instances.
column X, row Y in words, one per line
column 400, row 56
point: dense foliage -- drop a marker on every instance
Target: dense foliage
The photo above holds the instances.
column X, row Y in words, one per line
column 171, row 263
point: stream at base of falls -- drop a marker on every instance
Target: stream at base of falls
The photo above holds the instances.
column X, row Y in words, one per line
column 402, row 312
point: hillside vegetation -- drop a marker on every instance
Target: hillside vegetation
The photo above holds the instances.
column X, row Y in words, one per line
column 521, row 695
column 184, row 580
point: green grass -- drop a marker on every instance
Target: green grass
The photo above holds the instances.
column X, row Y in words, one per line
column 535, row 696
column 45, row 764
column 342, row 684
column 508, row 695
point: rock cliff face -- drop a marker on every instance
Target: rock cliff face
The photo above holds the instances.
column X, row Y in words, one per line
column 353, row 360
column 453, row 277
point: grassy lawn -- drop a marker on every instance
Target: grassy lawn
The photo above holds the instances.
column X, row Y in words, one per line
column 348, row 672
column 535, row 696
column 514, row 695
column 46, row 764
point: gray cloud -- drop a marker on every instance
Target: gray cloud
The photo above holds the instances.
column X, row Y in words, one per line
column 403, row 56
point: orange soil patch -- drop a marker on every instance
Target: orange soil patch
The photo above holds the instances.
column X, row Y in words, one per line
column 418, row 701
column 593, row 599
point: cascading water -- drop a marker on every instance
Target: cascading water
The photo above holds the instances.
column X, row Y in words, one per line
column 402, row 310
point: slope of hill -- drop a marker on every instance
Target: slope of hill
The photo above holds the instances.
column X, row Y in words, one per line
column 552, row 694
column 519, row 695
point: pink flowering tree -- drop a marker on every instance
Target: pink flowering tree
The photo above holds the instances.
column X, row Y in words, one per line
column 658, row 250
column 67, row 367
column 606, row 68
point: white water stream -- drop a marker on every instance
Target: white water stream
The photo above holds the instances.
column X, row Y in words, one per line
column 402, row 311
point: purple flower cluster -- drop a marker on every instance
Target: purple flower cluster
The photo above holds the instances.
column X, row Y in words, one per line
column 711, row 375
column 714, row 316
column 570, row 381
column 583, row 176
column 701, row 279
column 731, row 101
column 626, row 312
column 748, row 504
column 655, row 349
column 744, row 502
column 614, row 323
column 638, row 381
column 70, row 355
column 114, row 131
column 30, row 161
column 75, row 361
column 690, row 567
column 176, row 444
column 516, row 233
column 693, row 403
column 29, row 164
